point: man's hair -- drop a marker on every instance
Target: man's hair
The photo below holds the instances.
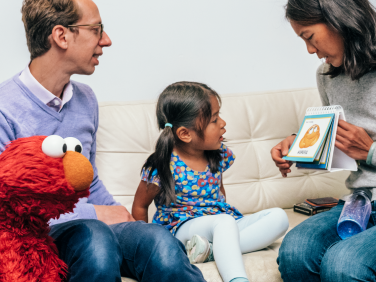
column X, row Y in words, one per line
column 41, row 16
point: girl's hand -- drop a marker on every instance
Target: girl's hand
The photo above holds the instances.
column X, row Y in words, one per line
column 281, row 150
column 353, row 140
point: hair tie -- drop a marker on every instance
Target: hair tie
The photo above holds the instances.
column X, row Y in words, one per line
column 168, row 125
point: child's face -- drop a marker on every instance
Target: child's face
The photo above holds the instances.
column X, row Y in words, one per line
column 213, row 134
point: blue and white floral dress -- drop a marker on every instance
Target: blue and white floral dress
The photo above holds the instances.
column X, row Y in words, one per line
column 198, row 193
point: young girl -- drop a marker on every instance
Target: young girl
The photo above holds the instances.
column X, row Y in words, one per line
column 184, row 178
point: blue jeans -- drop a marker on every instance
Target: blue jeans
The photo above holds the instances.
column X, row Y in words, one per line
column 95, row 251
column 313, row 251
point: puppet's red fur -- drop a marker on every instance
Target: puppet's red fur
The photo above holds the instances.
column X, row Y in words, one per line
column 33, row 190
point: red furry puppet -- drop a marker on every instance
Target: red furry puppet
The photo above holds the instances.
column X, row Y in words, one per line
column 40, row 178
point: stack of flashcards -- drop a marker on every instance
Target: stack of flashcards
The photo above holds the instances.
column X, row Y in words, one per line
column 314, row 146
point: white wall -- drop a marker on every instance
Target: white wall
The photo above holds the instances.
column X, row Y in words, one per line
column 233, row 46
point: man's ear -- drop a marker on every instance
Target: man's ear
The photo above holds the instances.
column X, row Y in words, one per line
column 184, row 134
column 59, row 36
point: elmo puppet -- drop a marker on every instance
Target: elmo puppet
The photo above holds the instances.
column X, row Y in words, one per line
column 40, row 178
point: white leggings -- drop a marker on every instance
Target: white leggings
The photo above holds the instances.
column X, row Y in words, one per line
column 231, row 238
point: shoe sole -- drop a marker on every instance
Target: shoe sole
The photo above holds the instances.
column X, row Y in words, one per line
column 201, row 252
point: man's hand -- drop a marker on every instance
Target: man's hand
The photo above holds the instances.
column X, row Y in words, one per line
column 113, row 214
column 353, row 140
column 281, row 150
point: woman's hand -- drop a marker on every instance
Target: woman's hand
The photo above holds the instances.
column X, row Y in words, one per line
column 353, row 140
column 281, row 150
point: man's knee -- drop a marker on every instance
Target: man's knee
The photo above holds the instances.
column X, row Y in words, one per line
column 161, row 244
column 96, row 244
column 158, row 238
column 161, row 252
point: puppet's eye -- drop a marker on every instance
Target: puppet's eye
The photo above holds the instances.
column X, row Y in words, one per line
column 54, row 146
column 73, row 144
column 315, row 129
column 310, row 131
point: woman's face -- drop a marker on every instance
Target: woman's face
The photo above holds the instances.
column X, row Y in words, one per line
column 323, row 41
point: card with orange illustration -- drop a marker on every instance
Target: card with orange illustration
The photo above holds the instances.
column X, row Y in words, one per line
column 314, row 146
column 310, row 139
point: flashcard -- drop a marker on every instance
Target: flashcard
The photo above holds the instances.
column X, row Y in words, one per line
column 310, row 139
column 314, row 147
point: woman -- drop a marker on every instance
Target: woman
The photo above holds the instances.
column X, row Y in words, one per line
column 343, row 32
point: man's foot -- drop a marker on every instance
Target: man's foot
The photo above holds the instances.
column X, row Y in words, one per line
column 199, row 250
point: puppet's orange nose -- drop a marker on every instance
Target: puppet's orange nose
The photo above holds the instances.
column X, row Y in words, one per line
column 78, row 170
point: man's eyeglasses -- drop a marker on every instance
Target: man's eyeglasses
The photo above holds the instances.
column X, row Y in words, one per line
column 78, row 25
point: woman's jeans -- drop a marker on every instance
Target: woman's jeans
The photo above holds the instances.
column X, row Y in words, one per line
column 95, row 251
column 313, row 251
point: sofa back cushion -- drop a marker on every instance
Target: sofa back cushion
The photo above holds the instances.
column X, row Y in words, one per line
column 256, row 122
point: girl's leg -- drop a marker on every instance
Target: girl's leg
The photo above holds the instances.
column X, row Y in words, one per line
column 223, row 231
column 261, row 229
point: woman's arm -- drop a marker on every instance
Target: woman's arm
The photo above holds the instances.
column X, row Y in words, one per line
column 145, row 195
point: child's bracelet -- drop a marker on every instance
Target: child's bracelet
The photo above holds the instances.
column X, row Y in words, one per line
column 370, row 154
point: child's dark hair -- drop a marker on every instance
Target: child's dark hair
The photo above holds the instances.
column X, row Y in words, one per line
column 354, row 20
column 180, row 104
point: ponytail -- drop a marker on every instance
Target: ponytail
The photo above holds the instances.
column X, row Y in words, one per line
column 160, row 160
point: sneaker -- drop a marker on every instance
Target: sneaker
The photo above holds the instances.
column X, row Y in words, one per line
column 199, row 250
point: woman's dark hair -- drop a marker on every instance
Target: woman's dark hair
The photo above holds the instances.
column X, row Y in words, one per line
column 353, row 20
column 184, row 104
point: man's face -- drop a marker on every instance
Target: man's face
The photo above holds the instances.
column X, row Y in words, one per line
column 85, row 47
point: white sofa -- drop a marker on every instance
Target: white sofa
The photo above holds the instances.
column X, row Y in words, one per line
column 255, row 123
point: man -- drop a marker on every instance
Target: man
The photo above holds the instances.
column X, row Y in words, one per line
column 100, row 241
